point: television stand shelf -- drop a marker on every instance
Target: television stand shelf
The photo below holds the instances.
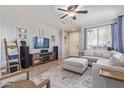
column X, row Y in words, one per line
column 40, row 58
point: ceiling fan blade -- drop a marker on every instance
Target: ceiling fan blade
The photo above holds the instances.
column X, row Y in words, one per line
column 72, row 7
column 62, row 9
column 81, row 12
column 74, row 17
column 63, row 16
column 76, row 6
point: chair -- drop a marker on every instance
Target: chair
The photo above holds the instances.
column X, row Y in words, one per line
column 23, row 83
column 27, row 84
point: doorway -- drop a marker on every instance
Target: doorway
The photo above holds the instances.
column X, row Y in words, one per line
column 74, row 43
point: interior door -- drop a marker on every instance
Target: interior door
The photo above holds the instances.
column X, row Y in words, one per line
column 74, row 43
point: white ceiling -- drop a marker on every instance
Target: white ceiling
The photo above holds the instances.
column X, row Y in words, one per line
column 50, row 15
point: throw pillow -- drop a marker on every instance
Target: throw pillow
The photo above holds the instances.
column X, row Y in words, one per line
column 115, row 62
column 122, row 58
column 119, row 56
column 88, row 53
column 98, row 53
column 107, row 54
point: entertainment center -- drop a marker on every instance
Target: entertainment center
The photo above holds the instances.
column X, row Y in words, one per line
column 41, row 58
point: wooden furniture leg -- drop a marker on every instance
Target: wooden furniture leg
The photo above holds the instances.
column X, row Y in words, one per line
column 45, row 82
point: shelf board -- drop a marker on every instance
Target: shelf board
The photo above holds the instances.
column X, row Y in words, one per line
column 112, row 74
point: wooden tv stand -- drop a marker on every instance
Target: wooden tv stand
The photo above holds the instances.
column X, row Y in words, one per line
column 40, row 58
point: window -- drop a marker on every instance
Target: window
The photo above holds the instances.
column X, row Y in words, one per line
column 99, row 37
column 92, row 38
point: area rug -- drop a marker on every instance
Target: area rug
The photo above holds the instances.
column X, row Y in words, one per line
column 64, row 79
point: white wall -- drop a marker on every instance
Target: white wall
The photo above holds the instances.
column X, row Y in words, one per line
column 65, row 46
column 60, row 44
column 11, row 20
column 99, row 24
column 82, row 39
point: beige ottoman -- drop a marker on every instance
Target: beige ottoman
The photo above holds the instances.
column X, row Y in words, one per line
column 77, row 65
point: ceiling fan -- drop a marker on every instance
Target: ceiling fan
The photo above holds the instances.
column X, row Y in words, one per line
column 71, row 11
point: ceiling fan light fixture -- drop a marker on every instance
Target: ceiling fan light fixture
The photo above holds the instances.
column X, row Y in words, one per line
column 71, row 11
column 71, row 14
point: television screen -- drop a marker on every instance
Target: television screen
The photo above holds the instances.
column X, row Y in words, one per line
column 45, row 43
column 40, row 42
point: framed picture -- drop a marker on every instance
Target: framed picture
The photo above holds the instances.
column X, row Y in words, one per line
column 52, row 38
column 22, row 33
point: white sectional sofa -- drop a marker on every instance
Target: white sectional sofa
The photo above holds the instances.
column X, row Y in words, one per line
column 103, row 82
column 103, row 59
column 93, row 56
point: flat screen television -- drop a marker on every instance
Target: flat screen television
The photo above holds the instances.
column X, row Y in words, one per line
column 40, row 42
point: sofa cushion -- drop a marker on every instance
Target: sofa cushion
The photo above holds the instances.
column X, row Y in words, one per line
column 98, row 53
column 107, row 54
column 122, row 58
column 115, row 62
column 91, row 58
column 119, row 56
column 88, row 53
column 103, row 61
column 75, row 61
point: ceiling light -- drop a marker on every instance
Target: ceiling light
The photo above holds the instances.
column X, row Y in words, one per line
column 71, row 14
